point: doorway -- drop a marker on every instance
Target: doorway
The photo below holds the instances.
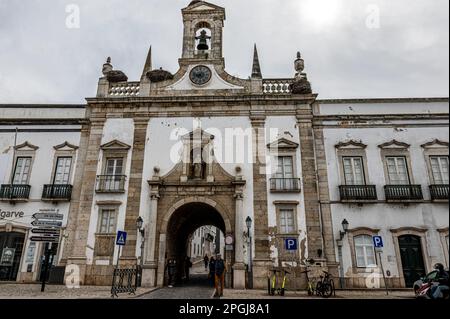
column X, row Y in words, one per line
column 412, row 258
column 11, row 247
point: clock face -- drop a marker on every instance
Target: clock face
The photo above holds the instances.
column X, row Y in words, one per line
column 229, row 240
column 200, row 75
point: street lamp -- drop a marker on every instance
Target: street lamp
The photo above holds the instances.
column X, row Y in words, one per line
column 140, row 228
column 345, row 228
column 248, row 222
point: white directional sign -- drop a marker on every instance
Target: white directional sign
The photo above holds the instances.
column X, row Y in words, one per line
column 46, row 231
column 46, row 223
column 45, row 239
column 48, row 216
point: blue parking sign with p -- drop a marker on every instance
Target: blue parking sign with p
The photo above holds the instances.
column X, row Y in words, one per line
column 377, row 242
column 121, row 238
column 291, row 243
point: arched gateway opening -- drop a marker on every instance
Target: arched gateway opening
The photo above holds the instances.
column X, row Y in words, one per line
column 182, row 224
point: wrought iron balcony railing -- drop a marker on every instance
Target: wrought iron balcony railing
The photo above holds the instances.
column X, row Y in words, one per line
column 403, row 192
column 14, row 192
column 439, row 192
column 358, row 192
column 57, row 192
column 285, row 185
column 111, row 183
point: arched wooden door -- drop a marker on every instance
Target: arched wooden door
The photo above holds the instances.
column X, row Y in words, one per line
column 412, row 258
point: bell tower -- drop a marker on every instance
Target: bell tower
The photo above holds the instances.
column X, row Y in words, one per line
column 202, row 39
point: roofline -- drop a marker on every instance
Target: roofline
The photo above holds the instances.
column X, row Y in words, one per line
column 384, row 100
column 43, row 106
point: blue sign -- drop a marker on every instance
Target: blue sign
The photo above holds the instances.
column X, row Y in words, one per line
column 121, row 238
column 378, row 242
column 291, row 244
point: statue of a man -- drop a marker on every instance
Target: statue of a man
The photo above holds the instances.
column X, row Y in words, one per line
column 198, row 167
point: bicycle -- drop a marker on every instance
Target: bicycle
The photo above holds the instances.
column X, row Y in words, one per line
column 325, row 287
column 272, row 283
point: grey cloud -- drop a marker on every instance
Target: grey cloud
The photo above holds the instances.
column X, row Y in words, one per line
column 41, row 61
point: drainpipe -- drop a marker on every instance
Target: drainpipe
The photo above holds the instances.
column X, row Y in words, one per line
column 14, row 157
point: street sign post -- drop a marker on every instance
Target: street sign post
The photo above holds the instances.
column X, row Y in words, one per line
column 46, row 223
column 291, row 244
column 48, row 216
column 121, row 240
column 378, row 244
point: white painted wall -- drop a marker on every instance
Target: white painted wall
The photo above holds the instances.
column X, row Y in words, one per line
column 123, row 131
column 385, row 216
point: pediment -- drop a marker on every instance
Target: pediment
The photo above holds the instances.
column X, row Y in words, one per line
column 196, row 134
column 435, row 144
column 219, row 81
column 115, row 145
column 26, row 146
column 202, row 6
column 282, row 143
column 66, row 146
column 394, row 144
column 352, row 144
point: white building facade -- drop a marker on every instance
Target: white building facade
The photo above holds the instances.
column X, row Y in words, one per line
column 201, row 147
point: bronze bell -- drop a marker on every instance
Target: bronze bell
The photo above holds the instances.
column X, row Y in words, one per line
column 203, row 43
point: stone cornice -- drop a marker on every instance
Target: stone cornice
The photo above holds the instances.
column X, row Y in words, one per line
column 384, row 100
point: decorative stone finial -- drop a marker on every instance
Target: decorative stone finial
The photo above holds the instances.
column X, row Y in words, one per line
column 300, row 84
column 156, row 170
column 256, row 70
column 107, row 67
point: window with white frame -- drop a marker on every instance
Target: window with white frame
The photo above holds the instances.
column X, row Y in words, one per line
column 364, row 250
column 285, row 167
column 397, row 169
column 354, row 170
column 22, row 170
column 107, row 221
column 287, row 221
column 62, row 171
column 439, row 169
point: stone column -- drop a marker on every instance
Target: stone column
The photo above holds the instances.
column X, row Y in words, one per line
column 239, row 266
column 128, row 257
column 150, row 260
column 312, row 208
column 261, row 257
column 84, row 188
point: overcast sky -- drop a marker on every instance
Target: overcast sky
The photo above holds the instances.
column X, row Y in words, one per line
column 349, row 51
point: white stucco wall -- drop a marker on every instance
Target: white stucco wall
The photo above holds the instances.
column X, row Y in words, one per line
column 123, row 131
column 384, row 216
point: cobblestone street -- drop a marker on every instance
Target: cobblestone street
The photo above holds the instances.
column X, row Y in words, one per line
column 199, row 287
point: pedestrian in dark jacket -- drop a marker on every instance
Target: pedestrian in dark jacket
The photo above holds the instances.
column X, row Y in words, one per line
column 187, row 267
column 172, row 271
column 206, row 261
column 220, row 270
column 212, row 270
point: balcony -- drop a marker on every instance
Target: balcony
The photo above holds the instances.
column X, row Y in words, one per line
column 439, row 192
column 15, row 192
column 111, row 183
column 53, row 192
column 403, row 193
column 285, row 185
column 358, row 193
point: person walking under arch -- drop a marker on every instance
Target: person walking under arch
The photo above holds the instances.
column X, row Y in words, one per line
column 206, row 261
column 220, row 270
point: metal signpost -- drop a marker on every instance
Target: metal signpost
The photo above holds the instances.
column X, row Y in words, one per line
column 47, row 228
column 291, row 245
column 378, row 244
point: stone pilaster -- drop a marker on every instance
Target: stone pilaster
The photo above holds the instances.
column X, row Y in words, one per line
column 84, row 188
column 150, row 260
column 309, row 176
column 261, row 259
column 239, row 266
column 134, row 190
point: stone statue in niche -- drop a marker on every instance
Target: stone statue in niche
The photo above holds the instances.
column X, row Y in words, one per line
column 198, row 166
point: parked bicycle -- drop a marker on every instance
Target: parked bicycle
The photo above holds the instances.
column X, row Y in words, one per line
column 310, row 282
column 325, row 287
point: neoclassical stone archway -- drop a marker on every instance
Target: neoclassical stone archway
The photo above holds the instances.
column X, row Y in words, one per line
column 218, row 194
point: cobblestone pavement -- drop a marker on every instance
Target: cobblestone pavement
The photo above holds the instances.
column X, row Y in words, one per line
column 350, row 294
column 199, row 287
column 33, row 291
